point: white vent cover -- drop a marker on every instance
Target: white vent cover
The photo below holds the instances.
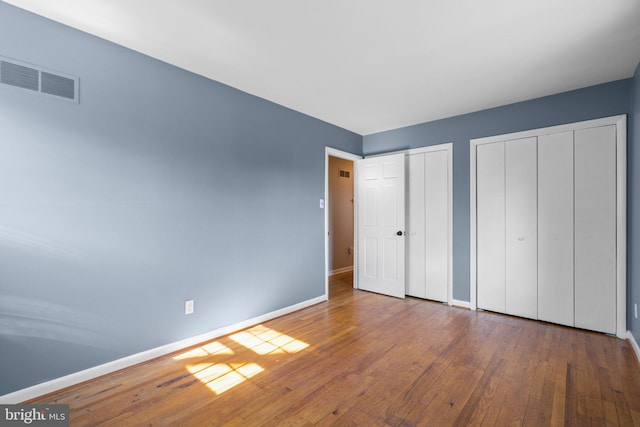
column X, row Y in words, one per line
column 38, row 79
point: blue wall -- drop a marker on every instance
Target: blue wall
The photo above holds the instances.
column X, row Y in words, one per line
column 593, row 102
column 160, row 186
column 633, row 204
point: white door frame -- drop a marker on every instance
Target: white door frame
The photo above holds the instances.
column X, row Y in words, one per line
column 448, row 147
column 328, row 151
column 354, row 157
column 621, row 200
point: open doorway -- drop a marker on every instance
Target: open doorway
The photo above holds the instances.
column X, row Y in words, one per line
column 340, row 221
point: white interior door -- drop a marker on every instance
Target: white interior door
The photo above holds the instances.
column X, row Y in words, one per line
column 381, row 253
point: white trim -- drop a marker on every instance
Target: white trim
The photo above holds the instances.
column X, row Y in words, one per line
column 389, row 153
column 446, row 146
column 621, row 222
column 408, row 151
column 473, row 286
column 613, row 120
column 620, row 122
column 634, row 344
column 341, row 270
column 458, row 303
column 473, row 209
column 449, row 148
column 328, row 151
column 116, row 365
column 334, row 152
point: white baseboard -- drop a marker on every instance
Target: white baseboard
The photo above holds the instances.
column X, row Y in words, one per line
column 458, row 303
column 340, row 270
column 116, row 365
column 634, row 344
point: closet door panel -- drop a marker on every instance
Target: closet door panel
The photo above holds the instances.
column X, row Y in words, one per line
column 490, row 203
column 595, row 229
column 437, row 224
column 416, row 273
column 555, row 228
column 521, row 276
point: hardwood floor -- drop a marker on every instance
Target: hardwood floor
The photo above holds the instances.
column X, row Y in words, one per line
column 371, row 360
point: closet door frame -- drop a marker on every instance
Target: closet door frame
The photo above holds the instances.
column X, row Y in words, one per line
column 448, row 148
column 620, row 122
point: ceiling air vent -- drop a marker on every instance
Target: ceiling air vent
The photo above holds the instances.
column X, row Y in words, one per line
column 38, row 79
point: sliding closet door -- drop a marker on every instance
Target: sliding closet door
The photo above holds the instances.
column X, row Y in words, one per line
column 490, row 216
column 595, row 229
column 555, row 228
column 521, row 272
column 436, row 224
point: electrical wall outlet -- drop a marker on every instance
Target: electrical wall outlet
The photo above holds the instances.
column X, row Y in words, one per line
column 188, row 307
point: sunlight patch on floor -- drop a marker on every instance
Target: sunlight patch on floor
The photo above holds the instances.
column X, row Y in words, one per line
column 263, row 340
column 220, row 377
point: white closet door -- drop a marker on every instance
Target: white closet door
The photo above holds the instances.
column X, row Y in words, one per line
column 416, row 271
column 595, row 229
column 521, row 276
column 555, row 228
column 490, row 217
column 437, row 224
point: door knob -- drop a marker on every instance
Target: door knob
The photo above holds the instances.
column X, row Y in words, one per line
column 399, row 233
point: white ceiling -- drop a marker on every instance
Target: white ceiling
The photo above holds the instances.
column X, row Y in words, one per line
column 374, row 65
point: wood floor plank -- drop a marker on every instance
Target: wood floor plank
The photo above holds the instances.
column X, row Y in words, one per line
column 368, row 359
